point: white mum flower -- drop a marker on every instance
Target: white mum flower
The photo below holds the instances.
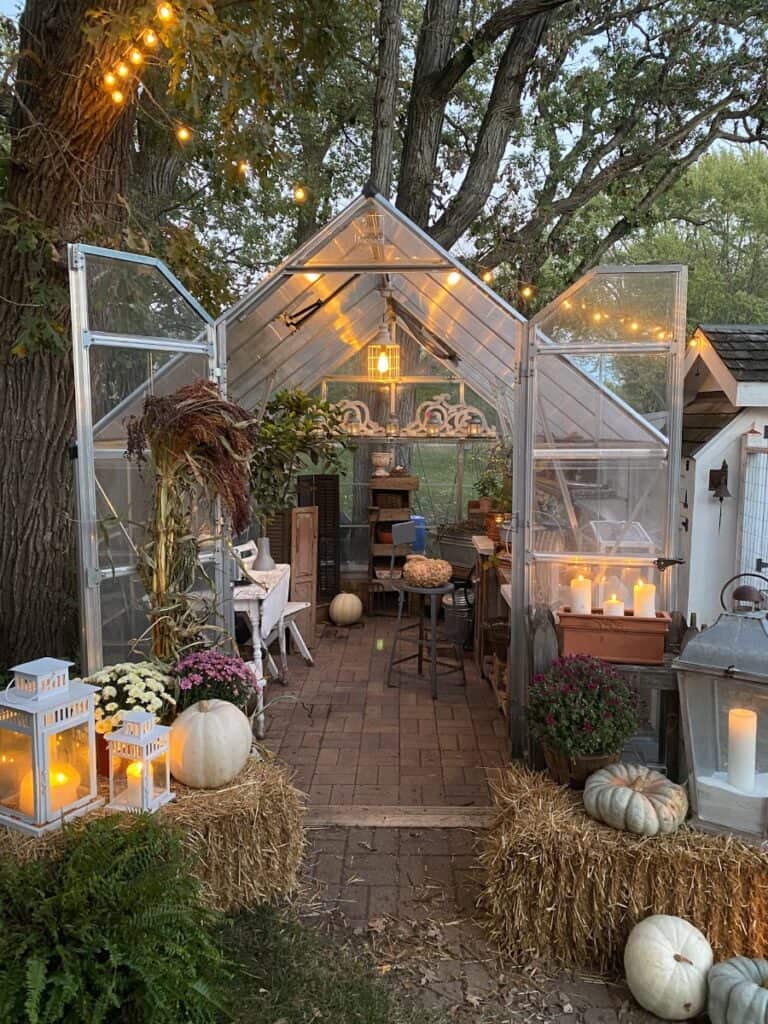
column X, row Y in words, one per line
column 112, row 706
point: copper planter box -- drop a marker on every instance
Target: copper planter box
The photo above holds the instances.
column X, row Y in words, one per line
column 623, row 640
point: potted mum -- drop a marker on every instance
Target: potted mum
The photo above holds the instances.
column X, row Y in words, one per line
column 583, row 712
column 130, row 686
column 211, row 675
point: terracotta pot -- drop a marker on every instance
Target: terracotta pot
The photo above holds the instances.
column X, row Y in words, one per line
column 384, row 535
column 623, row 640
column 492, row 527
column 574, row 771
column 102, row 756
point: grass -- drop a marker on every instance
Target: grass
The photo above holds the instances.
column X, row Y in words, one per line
column 291, row 975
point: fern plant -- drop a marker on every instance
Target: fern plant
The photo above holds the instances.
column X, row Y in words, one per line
column 111, row 929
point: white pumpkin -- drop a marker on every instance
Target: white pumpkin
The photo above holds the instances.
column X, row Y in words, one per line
column 666, row 961
column 210, row 743
column 635, row 799
column 738, row 992
column 346, row 609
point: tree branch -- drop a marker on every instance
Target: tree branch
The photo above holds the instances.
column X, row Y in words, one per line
column 385, row 97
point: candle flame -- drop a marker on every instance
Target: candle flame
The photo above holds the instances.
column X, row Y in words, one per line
column 134, row 769
column 613, row 597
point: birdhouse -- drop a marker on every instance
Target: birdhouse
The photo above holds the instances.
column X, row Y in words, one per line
column 47, row 747
column 723, row 682
column 139, row 764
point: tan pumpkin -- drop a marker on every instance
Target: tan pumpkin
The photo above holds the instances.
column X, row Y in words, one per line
column 210, row 743
column 427, row 572
column 633, row 798
column 345, row 609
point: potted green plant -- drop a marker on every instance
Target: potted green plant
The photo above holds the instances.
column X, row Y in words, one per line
column 582, row 712
column 295, row 430
column 494, row 488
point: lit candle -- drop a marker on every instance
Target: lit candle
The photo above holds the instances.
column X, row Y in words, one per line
column 64, row 783
column 613, row 608
column 133, row 774
column 742, row 748
column 581, row 595
column 644, row 600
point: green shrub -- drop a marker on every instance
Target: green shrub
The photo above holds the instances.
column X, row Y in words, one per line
column 109, row 928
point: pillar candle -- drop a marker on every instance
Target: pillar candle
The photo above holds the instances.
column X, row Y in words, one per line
column 581, row 595
column 63, row 786
column 644, row 600
column 613, row 607
column 133, row 774
column 742, row 748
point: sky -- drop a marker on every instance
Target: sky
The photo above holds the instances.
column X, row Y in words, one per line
column 10, row 7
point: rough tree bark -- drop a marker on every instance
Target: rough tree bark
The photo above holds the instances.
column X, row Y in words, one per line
column 70, row 147
column 385, row 97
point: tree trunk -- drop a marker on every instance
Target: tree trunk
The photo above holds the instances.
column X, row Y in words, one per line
column 385, row 98
column 70, row 147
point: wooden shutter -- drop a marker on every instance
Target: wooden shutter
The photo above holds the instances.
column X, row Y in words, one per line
column 304, row 567
column 322, row 489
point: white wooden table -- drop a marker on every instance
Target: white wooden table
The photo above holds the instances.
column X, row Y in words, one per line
column 262, row 601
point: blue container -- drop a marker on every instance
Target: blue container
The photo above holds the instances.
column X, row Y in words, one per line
column 420, row 541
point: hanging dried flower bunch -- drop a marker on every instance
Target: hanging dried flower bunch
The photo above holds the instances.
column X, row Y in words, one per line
column 198, row 446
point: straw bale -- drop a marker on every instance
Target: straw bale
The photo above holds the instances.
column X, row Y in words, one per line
column 564, row 888
column 247, row 839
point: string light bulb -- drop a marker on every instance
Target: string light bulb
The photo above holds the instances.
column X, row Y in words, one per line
column 634, row 326
column 487, row 276
column 165, row 12
column 183, row 134
column 243, row 166
column 123, row 70
column 526, row 291
column 117, row 96
column 110, row 81
column 150, row 37
column 300, row 194
column 454, row 277
column 136, row 57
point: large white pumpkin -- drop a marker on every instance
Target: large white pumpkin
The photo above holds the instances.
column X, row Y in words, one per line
column 346, row 609
column 210, row 743
column 666, row 961
column 636, row 799
column 738, row 992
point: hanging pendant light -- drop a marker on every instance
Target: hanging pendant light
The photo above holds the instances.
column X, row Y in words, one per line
column 383, row 355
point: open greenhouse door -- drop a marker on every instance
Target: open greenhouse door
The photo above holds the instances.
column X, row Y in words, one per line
column 136, row 331
column 597, row 450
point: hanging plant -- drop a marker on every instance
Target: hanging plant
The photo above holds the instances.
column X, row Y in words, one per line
column 198, row 446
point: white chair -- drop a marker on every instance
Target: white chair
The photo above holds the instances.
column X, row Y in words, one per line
column 287, row 624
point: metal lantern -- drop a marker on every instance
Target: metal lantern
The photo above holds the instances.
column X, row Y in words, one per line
column 139, row 764
column 392, row 428
column 434, row 423
column 474, row 425
column 723, row 681
column 47, row 747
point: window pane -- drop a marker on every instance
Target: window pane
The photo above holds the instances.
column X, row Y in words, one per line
column 135, row 299
column 552, row 582
column 68, row 768
column 614, row 507
column 16, row 787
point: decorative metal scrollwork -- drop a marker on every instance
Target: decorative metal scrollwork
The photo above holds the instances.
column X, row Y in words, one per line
column 438, row 417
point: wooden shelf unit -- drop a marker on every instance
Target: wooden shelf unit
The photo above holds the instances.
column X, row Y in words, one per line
column 389, row 502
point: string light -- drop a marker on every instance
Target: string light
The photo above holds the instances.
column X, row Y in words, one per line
column 150, row 37
column 165, row 12
column 109, row 80
column 526, row 291
column 136, row 56
column 454, row 277
column 117, row 96
column 634, row 326
column 487, row 276
column 183, row 134
column 123, row 70
column 243, row 166
column 300, row 194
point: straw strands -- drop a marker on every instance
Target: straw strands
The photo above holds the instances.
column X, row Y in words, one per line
column 563, row 888
column 247, row 839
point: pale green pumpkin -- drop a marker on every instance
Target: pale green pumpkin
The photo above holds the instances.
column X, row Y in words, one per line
column 738, row 992
column 635, row 799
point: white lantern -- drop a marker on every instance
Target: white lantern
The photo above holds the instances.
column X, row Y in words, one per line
column 139, row 764
column 47, row 747
column 723, row 681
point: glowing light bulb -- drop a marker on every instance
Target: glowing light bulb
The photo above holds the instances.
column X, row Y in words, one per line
column 300, row 194
column 123, row 70
column 136, row 56
column 110, row 80
column 567, row 303
column 183, row 134
column 117, row 96
column 597, row 317
column 487, row 276
column 634, row 326
column 454, row 277
column 150, row 37
column 382, row 363
column 243, row 166
column 165, row 12
column 526, row 291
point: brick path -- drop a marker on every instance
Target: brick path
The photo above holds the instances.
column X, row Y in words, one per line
column 366, row 743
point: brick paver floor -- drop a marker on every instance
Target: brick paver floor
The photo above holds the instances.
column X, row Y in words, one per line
column 353, row 740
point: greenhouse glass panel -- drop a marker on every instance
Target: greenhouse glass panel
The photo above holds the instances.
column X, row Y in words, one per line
column 551, row 581
column 138, row 299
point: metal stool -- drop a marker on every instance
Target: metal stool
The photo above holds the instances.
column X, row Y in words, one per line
column 403, row 534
